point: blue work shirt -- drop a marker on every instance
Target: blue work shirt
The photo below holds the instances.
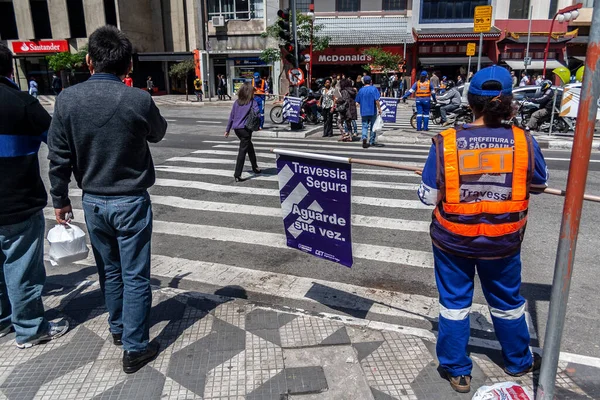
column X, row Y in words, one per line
column 366, row 97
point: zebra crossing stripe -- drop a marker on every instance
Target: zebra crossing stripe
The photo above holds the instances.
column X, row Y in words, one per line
column 212, row 187
column 374, row 154
column 332, row 152
column 355, row 171
column 235, row 208
column 273, row 178
column 385, row 254
column 310, row 145
column 258, row 138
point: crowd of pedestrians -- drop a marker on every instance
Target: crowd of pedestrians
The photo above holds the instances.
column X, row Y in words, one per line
column 99, row 133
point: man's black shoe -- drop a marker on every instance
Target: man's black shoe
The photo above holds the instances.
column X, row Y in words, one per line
column 365, row 144
column 117, row 339
column 134, row 360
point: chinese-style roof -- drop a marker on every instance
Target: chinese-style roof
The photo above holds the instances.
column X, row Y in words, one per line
column 365, row 30
column 454, row 33
column 534, row 39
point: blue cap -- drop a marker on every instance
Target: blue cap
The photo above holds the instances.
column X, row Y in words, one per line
column 494, row 74
column 366, row 79
column 423, row 73
column 257, row 74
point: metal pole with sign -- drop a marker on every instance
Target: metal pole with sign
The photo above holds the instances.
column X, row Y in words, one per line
column 470, row 52
column 571, row 218
column 482, row 22
column 527, row 59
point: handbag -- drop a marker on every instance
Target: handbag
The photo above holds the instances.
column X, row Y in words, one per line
column 252, row 119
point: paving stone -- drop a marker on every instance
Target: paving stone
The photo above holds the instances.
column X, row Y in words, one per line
column 336, row 338
column 366, row 348
column 146, row 384
column 305, row 331
column 27, row 378
column 587, row 378
column 305, row 380
column 379, row 395
column 266, row 324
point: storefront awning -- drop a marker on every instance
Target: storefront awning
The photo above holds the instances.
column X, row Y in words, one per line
column 442, row 61
column 454, row 34
column 346, row 31
column 173, row 57
column 535, row 64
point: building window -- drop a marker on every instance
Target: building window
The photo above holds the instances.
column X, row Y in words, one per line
column 302, row 5
column 110, row 12
column 236, row 9
column 347, row 5
column 8, row 23
column 449, row 10
column 76, row 18
column 519, row 9
column 41, row 19
column 394, row 5
column 552, row 9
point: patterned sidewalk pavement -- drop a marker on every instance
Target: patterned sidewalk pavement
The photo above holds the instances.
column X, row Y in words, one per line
column 215, row 347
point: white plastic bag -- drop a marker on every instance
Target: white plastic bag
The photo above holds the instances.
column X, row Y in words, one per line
column 67, row 244
column 503, row 391
column 378, row 125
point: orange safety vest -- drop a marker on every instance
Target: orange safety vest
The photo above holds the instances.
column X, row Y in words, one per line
column 423, row 89
column 468, row 222
column 259, row 89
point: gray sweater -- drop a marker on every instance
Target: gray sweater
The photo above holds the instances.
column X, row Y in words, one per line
column 100, row 131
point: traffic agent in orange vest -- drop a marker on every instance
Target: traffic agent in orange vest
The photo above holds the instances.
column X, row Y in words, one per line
column 424, row 92
column 478, row 177
column 260, row 90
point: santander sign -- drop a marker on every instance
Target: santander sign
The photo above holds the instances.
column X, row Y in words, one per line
column 40, row 46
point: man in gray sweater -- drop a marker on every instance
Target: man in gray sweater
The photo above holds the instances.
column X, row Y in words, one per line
column 100, row 133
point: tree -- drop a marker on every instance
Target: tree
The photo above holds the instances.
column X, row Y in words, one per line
column 306, row 31
column 385, row 60
column 181, row 71
column 66, row 62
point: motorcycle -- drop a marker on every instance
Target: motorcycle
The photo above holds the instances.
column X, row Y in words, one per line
column 526, row 109
column 461, row 115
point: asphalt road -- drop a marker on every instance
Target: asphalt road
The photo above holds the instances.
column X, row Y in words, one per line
column 193, row 129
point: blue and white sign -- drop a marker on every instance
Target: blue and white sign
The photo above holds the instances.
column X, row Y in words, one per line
column 389, row 106
column 292, row 107
column 316, row 204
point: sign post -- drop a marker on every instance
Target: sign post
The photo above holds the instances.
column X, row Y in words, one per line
column 470, row 52
column 482, row 23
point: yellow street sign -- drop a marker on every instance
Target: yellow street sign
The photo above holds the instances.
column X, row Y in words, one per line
column 483, row 19
column 471, row 49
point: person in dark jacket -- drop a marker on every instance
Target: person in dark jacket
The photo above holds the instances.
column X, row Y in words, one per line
column 345, row 105
column 100, row 132
column 23, row 126
column 237, row 121
column 545, row 102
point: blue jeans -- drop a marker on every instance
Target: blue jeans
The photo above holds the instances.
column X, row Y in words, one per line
column 367, row 124
column 260, row 100
column 500, row 281
column 120, row 230
column 423, row 107
column 22, row 278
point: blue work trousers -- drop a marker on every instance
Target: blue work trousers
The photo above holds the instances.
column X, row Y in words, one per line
column 367, row 128
column 22, row 278
column 260, row 100
column 423, row 107
column 500, row 281
column 120, row 229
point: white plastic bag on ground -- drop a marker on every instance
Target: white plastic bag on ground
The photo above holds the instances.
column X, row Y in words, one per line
column 67, row 244
column 503, row 391
column 378, row 125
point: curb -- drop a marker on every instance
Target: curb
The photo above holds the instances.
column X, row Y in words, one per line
column 286, row 134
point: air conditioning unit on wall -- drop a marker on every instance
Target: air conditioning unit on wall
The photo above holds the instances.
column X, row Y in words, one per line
column 218, row 21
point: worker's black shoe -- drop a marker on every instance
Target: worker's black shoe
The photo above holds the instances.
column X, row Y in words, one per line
column 461, row 384
column 365, row 144
column 134, row 360
column 535, row 366
column 116, row 337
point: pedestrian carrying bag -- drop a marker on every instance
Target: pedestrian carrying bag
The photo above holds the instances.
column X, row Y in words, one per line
column 378, row 125
column 67, row 244
column 252, row 119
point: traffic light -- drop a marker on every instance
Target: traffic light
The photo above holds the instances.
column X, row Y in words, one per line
column 286, row 34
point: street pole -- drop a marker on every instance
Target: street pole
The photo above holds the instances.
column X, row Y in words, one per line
column 571, row 218
column 311, row 13
column 207, row 47
column 480, row 50
column 294, row 38
column 469, row 70
column 528, row 38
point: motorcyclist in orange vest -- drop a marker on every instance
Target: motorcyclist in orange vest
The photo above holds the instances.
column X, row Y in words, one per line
column 478, row 178
column 260, row 90
column 424, row 91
